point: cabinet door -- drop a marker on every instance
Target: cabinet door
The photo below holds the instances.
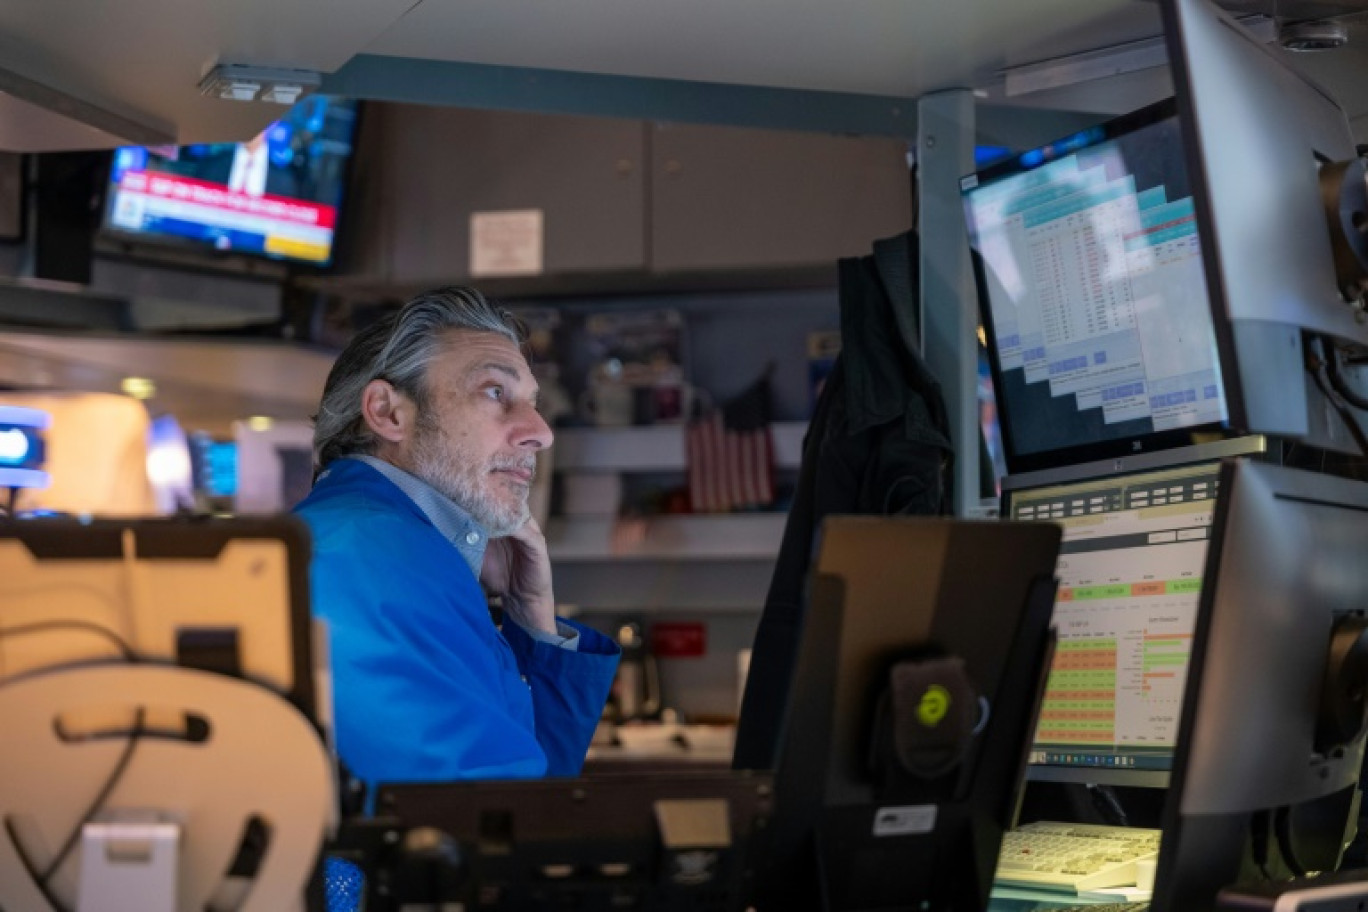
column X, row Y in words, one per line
column 443, row 164
column 726, row 197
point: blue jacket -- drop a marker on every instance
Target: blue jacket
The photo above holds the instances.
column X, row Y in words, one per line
column 425, row 687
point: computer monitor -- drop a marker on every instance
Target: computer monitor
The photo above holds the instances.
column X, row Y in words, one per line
column 215, row 466
column 1089, row 265
column 161, row 714
column 1260, row 138
column 1130, row 574
column 1271, row 736
column 923, row 655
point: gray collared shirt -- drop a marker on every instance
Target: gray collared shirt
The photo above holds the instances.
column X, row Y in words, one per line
column 458, row 527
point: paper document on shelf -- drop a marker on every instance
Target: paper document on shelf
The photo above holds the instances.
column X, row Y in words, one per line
column 506, row 243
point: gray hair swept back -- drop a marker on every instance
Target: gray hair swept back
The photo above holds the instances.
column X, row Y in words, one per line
column 397, row 348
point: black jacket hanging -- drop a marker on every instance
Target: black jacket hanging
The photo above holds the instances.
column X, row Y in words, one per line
column 879, row 443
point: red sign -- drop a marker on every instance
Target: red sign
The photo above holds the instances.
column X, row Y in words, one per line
column 216, row 196
column 679, row 639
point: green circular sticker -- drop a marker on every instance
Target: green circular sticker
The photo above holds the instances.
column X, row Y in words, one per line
column 935, row 703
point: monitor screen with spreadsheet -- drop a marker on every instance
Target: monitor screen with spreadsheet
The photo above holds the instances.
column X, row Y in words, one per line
column 1093, row 295
column 1130, row 574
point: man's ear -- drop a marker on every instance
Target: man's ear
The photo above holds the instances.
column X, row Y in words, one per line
column 387, row 412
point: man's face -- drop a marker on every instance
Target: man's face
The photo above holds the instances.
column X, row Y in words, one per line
column 477, row 444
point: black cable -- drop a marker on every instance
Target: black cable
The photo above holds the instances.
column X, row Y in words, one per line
column 111, row 782
column 1258, row 842
column 43, row 626
column 29, row 866
column 1316, row 364
column 1282, row 829
column 1108, row 805
column 41, row 879
column 1337, row 381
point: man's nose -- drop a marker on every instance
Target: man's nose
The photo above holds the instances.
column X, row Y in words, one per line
column 533, row 431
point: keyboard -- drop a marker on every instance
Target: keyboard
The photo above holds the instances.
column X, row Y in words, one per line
column 1073, row 857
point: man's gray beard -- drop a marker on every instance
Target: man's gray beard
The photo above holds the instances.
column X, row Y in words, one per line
column 458, row 475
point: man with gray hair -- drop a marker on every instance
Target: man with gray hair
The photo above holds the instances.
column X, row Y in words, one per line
column 425, row 444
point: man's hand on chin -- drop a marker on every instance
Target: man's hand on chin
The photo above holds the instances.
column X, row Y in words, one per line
column 519, row 568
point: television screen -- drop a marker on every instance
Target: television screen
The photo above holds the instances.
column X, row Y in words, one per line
column 276, row 195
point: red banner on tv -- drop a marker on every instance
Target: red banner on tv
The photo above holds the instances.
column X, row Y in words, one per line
column 204, row 193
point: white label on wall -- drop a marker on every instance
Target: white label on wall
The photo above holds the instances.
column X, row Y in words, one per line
column 906, row 820
column 506, row 243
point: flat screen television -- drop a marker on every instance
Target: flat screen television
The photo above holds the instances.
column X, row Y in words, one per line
column 277, row 195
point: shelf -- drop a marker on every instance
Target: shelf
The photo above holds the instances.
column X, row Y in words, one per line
column 734, row 537
column 657, row 448
column 649, row 586
column 580, row 282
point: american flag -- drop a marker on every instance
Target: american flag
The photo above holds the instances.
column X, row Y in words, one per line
column 731, row 454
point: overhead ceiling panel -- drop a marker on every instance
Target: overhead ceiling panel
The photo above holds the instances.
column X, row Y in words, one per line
column 143, row 59
column 902, row 48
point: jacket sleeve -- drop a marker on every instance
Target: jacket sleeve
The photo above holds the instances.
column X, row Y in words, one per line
column 569, row 690
column 424, row 687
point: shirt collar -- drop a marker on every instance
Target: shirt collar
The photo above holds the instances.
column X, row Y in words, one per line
column 456, row 525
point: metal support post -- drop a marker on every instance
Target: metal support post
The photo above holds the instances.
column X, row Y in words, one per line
column 945, row 153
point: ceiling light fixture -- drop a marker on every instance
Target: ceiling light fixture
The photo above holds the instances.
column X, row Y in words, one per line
column 233, row 82
column 1117, row 60
column 1313, row 35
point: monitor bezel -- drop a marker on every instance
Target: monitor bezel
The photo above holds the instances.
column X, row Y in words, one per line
column 1154, row 441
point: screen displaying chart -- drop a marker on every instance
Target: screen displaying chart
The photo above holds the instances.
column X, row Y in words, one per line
column 1094, row 292
column 1130, row 575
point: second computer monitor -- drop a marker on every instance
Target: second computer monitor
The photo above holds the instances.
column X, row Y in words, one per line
column 1130, row 576
column 1272, row 733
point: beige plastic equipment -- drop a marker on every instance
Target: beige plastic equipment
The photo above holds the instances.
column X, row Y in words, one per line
column 261, row 758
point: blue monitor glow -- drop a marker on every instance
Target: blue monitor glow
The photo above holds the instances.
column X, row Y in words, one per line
column 277, row 195
column 215, row 465
column 1090, row 269
column 23, row 450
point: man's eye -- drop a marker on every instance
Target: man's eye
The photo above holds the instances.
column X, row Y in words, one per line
column 495, row 392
